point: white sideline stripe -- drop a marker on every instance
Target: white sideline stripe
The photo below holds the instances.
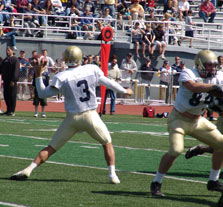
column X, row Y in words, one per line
column 4, row 145
column 100, row 168
column 121, row 147
column 11, row 204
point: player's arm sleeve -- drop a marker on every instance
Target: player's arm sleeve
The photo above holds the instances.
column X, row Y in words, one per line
column 45, row 92
column 111, row 84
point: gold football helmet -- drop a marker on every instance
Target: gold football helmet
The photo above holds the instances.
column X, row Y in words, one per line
column 73, row 56
column 202, row 60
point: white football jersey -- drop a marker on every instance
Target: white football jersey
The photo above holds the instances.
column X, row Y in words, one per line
column 78, row 87
column 194, row 103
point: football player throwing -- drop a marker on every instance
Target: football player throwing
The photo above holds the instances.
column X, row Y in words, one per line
column 77, row 84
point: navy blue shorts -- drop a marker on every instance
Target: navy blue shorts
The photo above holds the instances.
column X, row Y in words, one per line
column 189, row 33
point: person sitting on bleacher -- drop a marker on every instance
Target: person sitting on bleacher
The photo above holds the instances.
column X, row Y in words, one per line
column 91, row 6
column 38, row 8
column 207, row 11
column 58, row 7
column 183, row 8
column 152, row 18
column 71, row 3
column 169, row 8
column 21, row 5
column 136, row 10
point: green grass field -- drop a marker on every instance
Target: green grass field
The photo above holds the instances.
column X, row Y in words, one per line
column 77, row 174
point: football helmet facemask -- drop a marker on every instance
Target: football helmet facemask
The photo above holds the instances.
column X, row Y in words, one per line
column 72, row 56
column 206, row 62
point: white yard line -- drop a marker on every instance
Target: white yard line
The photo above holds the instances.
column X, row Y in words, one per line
column 4, row 145
column 11, row 204
column 99, row 168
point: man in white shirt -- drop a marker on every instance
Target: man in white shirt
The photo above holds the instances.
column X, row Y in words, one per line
column 77, row 84
column 185, row 119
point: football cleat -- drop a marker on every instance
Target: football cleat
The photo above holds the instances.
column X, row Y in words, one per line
column 21, row 176
column 193, row 151
column 155, row 189
column 114, row 179
column 215, row 186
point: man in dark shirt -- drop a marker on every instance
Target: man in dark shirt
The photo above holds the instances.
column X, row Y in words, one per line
column 147, row 76
column 9, row 69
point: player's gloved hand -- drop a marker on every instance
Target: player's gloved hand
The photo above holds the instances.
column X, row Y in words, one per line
column 218, row 88
column 217, row 91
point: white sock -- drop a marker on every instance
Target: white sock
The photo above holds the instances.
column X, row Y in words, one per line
column 214, row 174
column 111, row 171
column 31, row 167
column 159, row 177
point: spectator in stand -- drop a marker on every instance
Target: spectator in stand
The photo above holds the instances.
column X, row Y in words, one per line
column 207, row 11
column 10, row 32
column 137, row 39
column 149, row 38
column 179, row 66
column 169, row 29
column 169, row 8
column 152, row 18
column 23, row 74
column 50, row 10
column 107, row 18
column 183, row 8
column 29, row 21
column 40, row 101
column 70, row 4
column 147, row 76
column 86, row 23
column 189, row 32
column 136, row 10
column 128, row 69
column 91, row 6
column 75, row 24
column 9, row 69
column 151, row 4
column 31, row 74
column 58, row 7
column 3, row 17
column 159, row 40
column 38, row 8
column 220, row 63
column 122, row 7
column 113, row 74
column 21, row 5
column 111, row 4
column 9, row 6
column 165, row 73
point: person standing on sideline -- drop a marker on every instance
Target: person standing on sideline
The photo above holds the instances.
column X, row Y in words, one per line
column 147, row 76
column 37, row 100
column 185, row 119
column 77, row 84
column 113, row 74
column 9, row 69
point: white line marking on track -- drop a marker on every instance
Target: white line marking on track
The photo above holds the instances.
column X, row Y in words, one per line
column 99, row 168
column 11, row 204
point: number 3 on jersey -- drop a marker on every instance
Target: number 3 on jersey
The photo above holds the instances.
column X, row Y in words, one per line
column 85, row 90
column 196, row 99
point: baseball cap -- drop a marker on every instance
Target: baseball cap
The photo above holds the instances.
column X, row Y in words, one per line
column 22, row 50
column 165, row 62
column 129, row 54
column 182, row 62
